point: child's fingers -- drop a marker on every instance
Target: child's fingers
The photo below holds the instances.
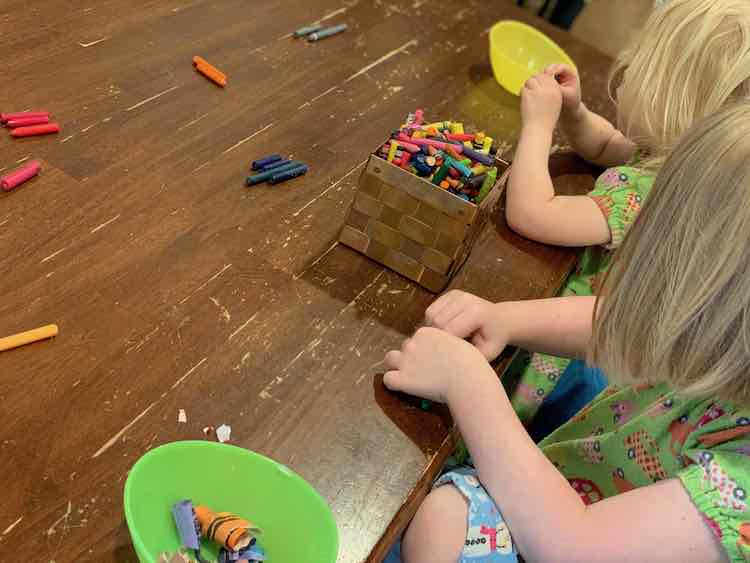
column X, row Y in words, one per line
column 438, row 305
column 393, row 359
column 394, row 380
column 485, row 347
column 464, row 323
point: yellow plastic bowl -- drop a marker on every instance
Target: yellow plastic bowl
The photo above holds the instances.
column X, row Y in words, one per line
column 519, row 51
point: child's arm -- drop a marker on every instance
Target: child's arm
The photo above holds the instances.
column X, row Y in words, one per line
column 567, row 323
column 590, row 135
column 532, row 208
column 548, row 520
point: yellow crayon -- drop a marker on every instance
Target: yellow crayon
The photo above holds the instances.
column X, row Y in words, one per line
column 487, row 145
column 457, row 128
column 392, row 151
column 479, row 169
column 27, row 337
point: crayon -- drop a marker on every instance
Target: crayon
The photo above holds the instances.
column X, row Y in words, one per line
column 26, row 121
column 327, row 32
column 461, row 167
column 21, row 114
column 422, row 142
column 23, row 338
column 308, row 29
column 480, row 157
column 392, row 151
column 441, row 174
column 418, row 117
column 460, row 137
column 264, row 176
column 14, row 179
column 261, row 162
column 457, row 128
column 32, row 130
column 276, row 164
column 288, row 174
column 487, row 145
column 487, row 185
column 209, row 71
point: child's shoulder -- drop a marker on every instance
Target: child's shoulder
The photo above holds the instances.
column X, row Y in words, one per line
column 624, row 177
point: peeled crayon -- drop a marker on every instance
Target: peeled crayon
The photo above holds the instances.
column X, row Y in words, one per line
column 261, row 162
column 307, row 30
column 32, row 130
column 327, row 32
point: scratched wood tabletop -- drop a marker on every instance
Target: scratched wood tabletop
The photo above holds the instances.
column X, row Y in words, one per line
column 175, row 287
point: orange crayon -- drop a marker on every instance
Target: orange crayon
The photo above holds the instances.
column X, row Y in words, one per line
column 209, row 71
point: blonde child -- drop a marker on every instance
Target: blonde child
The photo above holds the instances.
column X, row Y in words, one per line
column 691, row 59
column 668, row 482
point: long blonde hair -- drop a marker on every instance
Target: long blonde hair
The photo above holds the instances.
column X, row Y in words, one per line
column 690, row 59
column 675, row 305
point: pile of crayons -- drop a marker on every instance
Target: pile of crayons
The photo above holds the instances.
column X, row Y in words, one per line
column 29, row 123
column 441, row 152
column 274, row 169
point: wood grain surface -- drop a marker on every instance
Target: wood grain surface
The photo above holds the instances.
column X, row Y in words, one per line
column 175, row 287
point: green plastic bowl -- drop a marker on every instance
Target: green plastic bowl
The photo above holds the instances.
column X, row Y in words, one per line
column 297, row 523
column 519, row 51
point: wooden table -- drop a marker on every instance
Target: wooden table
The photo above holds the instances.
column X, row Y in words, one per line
column 175, row 287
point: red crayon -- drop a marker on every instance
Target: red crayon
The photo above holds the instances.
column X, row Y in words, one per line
column 26, row 121
column 18, row 177
column 35, row 130
column 460, row 137
column 21, row 114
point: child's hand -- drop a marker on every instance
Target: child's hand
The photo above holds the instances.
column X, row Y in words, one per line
column 570, row 86
column 465, row 315
column 541, row 101
column 430, row 364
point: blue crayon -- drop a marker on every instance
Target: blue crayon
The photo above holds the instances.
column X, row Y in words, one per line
column 261, row 162
column 273, row 165
column 307, row 30
column 284, row 175
column 268, row 174
column 480, row 157
column 327, row 32
column 462, row 168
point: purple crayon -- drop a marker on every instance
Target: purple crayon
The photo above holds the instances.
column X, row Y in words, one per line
column 261, row 162
column 184, row 519
column 288, row 174
column 267, row 167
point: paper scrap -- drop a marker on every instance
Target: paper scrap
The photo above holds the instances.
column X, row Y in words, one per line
column 223, row 433
column 182, row 416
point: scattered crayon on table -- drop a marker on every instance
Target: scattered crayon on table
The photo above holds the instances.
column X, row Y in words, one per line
column 327, row 32
column 28, row 337
column 274, row 169
column 307, row 30
column 24, row 121
column 22, row 114
column 209, row 71
column 14, row 179
column 261, row 162
column 33, row 130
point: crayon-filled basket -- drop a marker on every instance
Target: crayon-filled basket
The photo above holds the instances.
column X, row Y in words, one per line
column 423, row 199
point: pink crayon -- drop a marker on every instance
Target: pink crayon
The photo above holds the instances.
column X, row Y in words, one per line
column 17, row 177
column 429, row 142
column 25, row 121
column 411, row 147
column 418, row 117
column 23, row 114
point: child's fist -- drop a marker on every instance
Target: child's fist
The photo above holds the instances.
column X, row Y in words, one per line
column 541, row 101
column 431, row 364
column 570, row 86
